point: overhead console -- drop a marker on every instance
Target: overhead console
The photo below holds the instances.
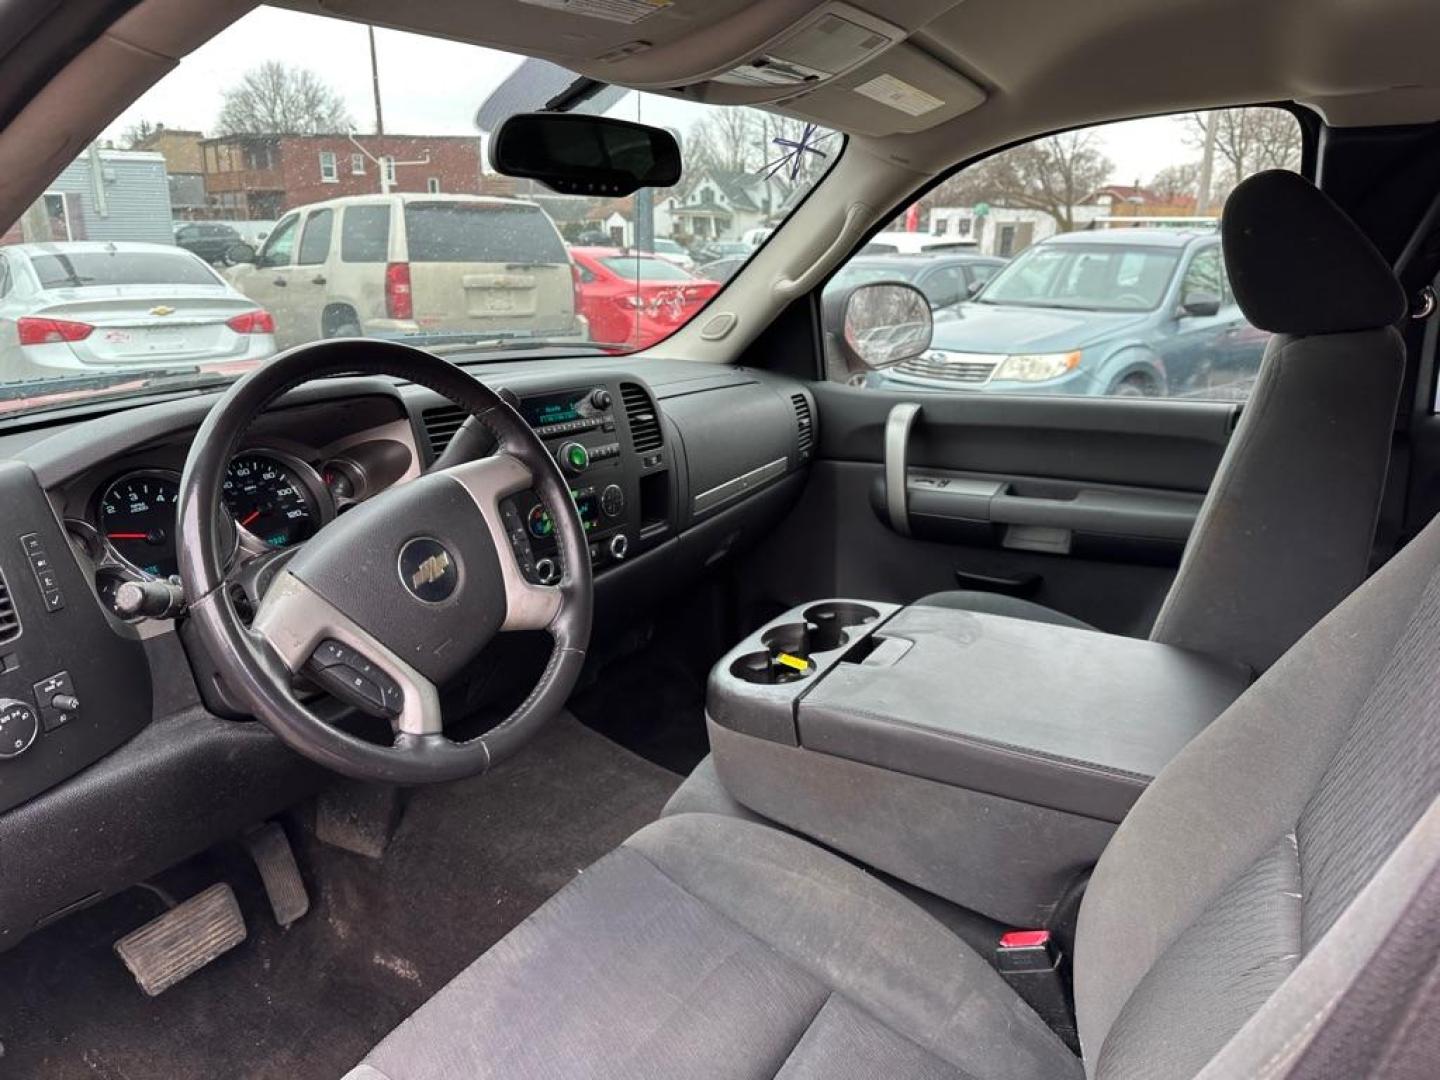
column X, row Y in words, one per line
column 888, row 732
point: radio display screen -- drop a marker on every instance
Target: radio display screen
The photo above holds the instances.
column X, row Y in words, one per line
column 553, row 408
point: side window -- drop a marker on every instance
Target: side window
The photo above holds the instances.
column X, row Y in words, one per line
column 1093, row 241
column 4, row 276
column 280, row 244
column 315, row 243
column 979, row 273
column 365, row 234
column 943, row 288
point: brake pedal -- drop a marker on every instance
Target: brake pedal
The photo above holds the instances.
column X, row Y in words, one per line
column 183, row 940
column 275, row 859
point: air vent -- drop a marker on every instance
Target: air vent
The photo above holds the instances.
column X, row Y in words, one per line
column 441, row 424
column 9, row 620
column 643, row 417
column 804, row 423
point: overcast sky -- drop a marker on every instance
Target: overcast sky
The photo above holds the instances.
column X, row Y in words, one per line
column 433, row 87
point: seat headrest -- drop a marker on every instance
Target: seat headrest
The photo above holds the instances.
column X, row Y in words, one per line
column 1299, row 265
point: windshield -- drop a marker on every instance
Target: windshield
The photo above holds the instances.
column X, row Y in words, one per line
column 346, row 191
column 1098, row 277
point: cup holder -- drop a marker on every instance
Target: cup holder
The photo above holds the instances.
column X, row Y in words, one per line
column 828, row 622
column 789, row 646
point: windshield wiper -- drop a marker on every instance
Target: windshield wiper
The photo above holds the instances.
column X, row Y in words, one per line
column 442, row 344
column 71, row 387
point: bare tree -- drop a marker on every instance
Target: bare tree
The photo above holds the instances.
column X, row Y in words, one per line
column 1247, row 141
column 727, row 140
column 1176, row 183
column 138, row 132
column 1052, row 175
column 277, row 99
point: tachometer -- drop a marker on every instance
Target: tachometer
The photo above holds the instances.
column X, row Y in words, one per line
column 137, row 520
column 269, row 500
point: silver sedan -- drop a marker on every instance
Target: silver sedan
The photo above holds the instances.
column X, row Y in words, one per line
column 76, row 308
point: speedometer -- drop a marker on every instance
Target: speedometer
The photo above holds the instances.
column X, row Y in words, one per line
column 137, row 519
column 269, row 500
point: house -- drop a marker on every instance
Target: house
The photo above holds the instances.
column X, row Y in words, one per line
column 185, row 164
column 1002, row 230
column 723, row 205
column 259, row 177
column 102, row 195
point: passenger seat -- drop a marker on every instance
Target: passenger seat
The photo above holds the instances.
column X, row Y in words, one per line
column 1286, row 530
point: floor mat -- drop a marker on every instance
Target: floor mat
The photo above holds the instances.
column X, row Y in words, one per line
column 469, row 862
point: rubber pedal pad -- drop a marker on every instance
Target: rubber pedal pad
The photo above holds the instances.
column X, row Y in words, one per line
column 183, row 940
column 275, row 859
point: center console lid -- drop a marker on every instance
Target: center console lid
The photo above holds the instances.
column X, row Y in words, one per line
column 1053, row 716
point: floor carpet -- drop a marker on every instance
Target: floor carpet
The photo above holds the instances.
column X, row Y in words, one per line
column 469, row 862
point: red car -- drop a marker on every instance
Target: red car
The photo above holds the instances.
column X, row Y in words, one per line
column 632, row 299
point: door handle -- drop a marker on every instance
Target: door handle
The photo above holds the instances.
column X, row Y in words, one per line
column 280, row 282
column 318, row 279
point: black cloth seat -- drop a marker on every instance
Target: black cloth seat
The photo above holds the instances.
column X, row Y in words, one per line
column 1286, row 529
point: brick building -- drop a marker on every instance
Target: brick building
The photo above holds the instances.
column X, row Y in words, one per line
column 184, row 166
column 259, row 177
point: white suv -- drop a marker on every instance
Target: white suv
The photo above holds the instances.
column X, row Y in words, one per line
column 407, row 265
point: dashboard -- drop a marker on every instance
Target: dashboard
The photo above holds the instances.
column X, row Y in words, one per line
column 674, row 467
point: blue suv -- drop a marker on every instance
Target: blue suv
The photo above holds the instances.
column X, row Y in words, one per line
column 1132, row 312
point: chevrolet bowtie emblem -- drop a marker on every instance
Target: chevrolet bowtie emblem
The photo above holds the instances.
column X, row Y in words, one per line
column 430, row 571
column 161, row 309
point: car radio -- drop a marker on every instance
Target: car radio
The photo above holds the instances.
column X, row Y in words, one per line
column 580, row 430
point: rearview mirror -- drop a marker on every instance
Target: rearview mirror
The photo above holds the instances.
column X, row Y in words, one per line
column 239, row 253
column 881, row 324
column 585, row 155
column 972, row 290
column 1201, row 303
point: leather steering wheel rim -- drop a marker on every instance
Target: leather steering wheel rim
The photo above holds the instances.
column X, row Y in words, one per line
column 323, row 594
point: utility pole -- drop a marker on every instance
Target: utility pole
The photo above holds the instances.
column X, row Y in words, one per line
column 385, row 166
column 1207, row 164
column 375, row 84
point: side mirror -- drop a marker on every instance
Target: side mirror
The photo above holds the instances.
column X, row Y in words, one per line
column 239, row 253
column 880, row 324
column 1200, row 303
column 585, row 155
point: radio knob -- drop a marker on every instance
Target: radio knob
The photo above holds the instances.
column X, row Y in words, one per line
column 574, row 458
column 619, row 546
column 547, row 571
column 612, row 500
column 18, row 728
column 600, row 398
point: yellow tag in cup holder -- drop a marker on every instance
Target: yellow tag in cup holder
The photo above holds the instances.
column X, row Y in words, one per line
column 792, row 661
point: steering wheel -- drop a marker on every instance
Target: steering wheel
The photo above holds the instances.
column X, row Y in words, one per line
column 399, row 593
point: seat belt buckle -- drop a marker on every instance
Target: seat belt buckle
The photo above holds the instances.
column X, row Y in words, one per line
column 1032, row 962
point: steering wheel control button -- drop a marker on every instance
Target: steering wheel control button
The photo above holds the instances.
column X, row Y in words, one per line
column 57, row 701
column 428, row 570
column 18, row 728
column 355, row 680
column 574, row 458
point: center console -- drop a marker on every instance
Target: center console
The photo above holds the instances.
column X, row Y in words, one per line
column 984, row 758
